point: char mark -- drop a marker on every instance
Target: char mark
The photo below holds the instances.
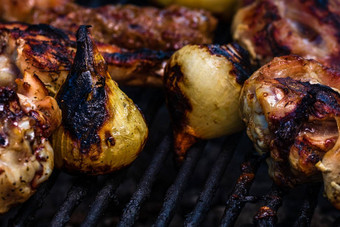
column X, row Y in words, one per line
column 10, row 103
column 323, row 4
column 144, row 55
column 238, row 56
column 317, row 100
column 48, row 30
column 83, row 101
column 178, row 103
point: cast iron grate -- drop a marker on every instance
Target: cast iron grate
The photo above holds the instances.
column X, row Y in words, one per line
column 106, row 197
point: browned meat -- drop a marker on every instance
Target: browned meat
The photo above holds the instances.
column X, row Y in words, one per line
column 48, row 52
column 127, row 26
column 291, row 107
column 268, row 28
column 28, row 117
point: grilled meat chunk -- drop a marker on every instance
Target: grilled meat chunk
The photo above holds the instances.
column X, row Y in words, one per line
column 102, row 129
column 202, row 85
column 291, row 107
column 28, row 116
column 127, row 26
column 48, row 52
column 269, row 28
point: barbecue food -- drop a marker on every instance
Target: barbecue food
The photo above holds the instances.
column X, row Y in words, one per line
column 127, row 26
column 28, row 117
column 202, row 84
column 291, row 107
column 223, row 7
column 268, row 28
column 102, row 129
column 49, row 52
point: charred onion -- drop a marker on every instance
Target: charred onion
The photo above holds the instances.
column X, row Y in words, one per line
column 102, row 129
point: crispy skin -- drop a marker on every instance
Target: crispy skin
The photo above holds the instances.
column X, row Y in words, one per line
column 49, row 52
column 291, row 107
column 127, row 26
column 28, row 117
column 269, row 28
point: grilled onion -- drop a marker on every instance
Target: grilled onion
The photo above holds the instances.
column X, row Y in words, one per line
column 102, row 129
column 202, row 84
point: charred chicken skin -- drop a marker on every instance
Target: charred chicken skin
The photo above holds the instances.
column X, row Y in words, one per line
column 28, row 117
column 269, row 28
column 48, row 52
column 291, row 107
column 127, row 26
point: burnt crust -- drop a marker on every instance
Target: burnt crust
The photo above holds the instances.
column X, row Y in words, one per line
column 238, row 56
column 50, row 49
column 313, row 101
column 83, row 97
column 177, row 102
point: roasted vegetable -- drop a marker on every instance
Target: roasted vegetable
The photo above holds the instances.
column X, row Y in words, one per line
column 27, row 118
column 202, row 84
column 102, row 129
column 291, row 107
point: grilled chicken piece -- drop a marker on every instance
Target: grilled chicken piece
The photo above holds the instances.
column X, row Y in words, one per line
column 127, row 26
column 28, row 117
column 49, row 52
column 202, row 84
column 102, row 129
column 269, row 28
column 291, row 107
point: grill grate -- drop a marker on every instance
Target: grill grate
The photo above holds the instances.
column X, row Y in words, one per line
column 132, row 209
column 74, row 197
column 106, row 196
column 239, row 195
column 205, row 198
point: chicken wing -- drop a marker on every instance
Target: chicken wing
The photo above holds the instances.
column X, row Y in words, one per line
column 291, row 107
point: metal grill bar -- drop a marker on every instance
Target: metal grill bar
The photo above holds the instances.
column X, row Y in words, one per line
column 239, row 195
column 223, row 159
column 143, row 191
column 267, row 214
column 176, row 190
column 28, row 209
column 153, row 99
column 104, row 197
column 74, row 196
column 308, row 205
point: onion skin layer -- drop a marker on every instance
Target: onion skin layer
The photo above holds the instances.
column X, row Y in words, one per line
column 202, row 85
column 102, row 129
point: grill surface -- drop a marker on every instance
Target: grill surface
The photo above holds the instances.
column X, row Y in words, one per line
column 221, row 182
